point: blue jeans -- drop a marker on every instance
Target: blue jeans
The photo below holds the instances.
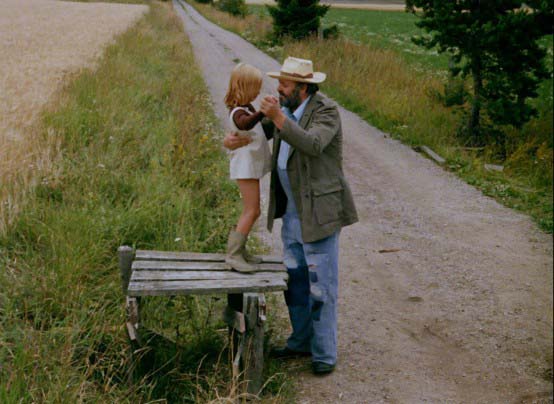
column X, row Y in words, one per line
column 312, row 291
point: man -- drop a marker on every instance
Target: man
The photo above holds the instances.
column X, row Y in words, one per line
column 309, row 192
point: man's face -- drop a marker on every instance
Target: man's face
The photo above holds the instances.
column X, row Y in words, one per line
column 291, row 94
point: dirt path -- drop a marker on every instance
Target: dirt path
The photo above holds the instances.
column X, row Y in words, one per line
column 462, row 313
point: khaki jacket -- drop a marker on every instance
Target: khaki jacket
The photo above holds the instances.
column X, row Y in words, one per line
column 321, row 193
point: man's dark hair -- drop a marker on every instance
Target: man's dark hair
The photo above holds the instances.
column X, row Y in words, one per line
column 312, row 88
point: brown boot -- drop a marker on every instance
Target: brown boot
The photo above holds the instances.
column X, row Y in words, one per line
column 234, row 258
column 253, row 259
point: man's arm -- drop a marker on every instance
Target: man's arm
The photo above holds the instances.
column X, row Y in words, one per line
column 232, row 141
column 323, row 128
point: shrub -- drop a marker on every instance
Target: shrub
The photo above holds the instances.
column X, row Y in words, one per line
column 331, row 32
column 235, row 7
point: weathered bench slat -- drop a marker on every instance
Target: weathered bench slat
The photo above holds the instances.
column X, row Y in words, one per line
column 161, row 288
column 139, row 276
column 196, row 266
column 148, row 255
column 167, row 273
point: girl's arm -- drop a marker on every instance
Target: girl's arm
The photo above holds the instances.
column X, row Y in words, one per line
column 245, row 121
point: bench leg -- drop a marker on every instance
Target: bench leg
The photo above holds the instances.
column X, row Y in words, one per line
column 245, row 316
column 126, row 255
column 234, row 318
column 254, row 342
column 132, row 324
column 133, row 318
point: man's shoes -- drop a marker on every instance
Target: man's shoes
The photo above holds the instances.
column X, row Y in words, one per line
column 285, row 352
column 322, row 368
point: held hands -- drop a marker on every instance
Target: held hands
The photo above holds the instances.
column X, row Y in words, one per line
column 270, row 106
column 271, row 109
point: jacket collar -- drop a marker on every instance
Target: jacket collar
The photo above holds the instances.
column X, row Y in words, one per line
column 308, row 111
column 310, row 107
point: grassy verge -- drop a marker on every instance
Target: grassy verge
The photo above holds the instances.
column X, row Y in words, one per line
column 139, row 163
column 399, row 90
column 255, row 27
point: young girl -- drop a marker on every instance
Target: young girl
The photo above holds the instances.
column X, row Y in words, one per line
column 249, row 163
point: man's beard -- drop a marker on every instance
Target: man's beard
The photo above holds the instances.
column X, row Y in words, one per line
column 293, row 101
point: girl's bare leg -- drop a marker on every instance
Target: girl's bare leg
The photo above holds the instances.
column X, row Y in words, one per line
column 250, row 192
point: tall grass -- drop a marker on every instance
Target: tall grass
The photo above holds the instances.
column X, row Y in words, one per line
column 139, row 162
column 255, row 27
column 405, row 98
column 23, row 162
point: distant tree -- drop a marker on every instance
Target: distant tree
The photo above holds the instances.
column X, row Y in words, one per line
column 496, row 42
column 296, row 18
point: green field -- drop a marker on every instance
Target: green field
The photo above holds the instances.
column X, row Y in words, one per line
column 387, row 30
column 383, row 29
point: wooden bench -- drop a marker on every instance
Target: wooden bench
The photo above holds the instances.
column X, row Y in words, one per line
column 162, row 273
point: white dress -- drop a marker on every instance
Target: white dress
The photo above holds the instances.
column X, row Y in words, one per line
column 252, row 160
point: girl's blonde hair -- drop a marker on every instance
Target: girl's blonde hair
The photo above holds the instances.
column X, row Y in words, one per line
column 244, row 85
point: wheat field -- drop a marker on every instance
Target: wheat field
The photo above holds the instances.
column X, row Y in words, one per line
column 42, row 44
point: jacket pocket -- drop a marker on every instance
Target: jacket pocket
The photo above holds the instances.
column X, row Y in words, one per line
column 328, row 203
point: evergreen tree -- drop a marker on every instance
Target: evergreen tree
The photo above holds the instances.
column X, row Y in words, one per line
column 496, row 42
column 296, row 18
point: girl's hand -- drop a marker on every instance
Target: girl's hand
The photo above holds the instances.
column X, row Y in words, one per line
column 233, row 141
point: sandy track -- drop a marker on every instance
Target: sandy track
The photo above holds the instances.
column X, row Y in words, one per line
column 43, row 41
column 462, row 313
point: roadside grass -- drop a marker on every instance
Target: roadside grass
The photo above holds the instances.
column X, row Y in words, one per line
column 140, row 163
column 254, row 27
column 401, row 92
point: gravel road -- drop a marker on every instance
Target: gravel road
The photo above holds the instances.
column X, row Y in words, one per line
column 459, row 312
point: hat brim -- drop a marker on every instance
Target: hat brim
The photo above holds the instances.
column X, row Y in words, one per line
column 316, row 79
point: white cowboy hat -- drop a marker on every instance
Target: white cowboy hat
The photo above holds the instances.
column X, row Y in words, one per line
column 300, row 70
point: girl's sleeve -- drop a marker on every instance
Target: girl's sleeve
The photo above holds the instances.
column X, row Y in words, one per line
column 245, row 121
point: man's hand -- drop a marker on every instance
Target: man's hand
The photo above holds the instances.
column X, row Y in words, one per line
column 271, row 109
column 270, row 106
column 233, row 141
